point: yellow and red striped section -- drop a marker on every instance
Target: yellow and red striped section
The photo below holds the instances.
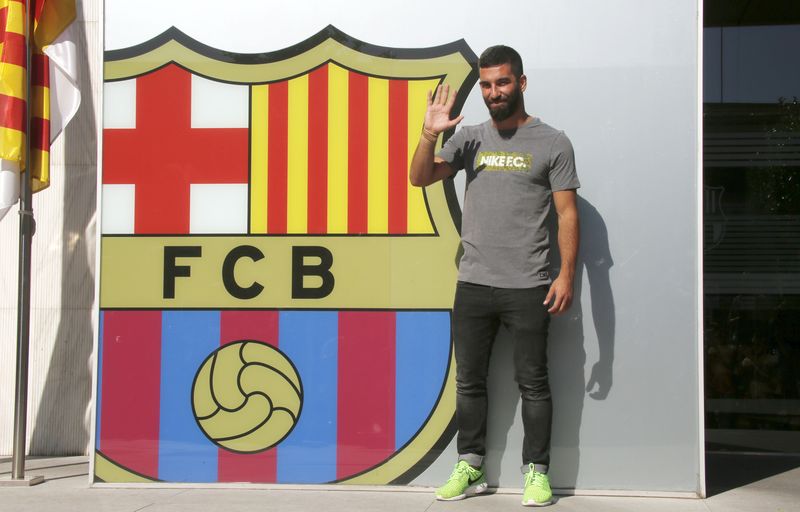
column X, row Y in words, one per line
column 330, row 152
column 50, row 18
column 13, row 88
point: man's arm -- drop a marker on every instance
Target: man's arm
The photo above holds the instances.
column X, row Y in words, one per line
column 425, row 167
column 560, row 293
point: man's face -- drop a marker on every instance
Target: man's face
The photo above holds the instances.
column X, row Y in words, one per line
column 501, row 90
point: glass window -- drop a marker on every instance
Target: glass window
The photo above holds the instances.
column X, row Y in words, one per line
column 752, row 237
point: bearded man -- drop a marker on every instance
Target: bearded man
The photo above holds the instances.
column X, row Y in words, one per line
column 516, row 167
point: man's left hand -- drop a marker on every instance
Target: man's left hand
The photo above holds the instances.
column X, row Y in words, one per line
column 560, row 295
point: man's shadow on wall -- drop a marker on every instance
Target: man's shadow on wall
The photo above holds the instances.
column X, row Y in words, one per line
column 567, row 359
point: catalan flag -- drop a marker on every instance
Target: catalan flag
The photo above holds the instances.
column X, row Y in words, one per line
column 330, row 151
column 54, row 92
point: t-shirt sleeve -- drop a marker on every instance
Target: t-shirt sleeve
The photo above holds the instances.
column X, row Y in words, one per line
column 453, row 150
column 563, row 175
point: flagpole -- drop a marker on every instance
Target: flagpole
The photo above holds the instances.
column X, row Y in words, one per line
column 26, row 230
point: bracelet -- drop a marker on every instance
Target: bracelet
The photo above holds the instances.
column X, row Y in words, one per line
column 429, row 135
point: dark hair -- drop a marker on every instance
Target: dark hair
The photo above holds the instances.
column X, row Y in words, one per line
column 499, row 55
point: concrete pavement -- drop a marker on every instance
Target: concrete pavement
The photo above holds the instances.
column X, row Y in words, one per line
column 66, row 489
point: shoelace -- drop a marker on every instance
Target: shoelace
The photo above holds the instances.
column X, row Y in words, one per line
column 532, row 476
column 460, row 470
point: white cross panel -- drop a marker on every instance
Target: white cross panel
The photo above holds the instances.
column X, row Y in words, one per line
column 119, row 104
column 219, row 105
column 218, row 208
column 118, row 209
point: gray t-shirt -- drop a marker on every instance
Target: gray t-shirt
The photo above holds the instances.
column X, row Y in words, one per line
column 510, row 180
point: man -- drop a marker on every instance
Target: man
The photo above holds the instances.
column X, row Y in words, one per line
column 516, row 166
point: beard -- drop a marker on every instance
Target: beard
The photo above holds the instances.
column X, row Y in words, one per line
column 502, row 111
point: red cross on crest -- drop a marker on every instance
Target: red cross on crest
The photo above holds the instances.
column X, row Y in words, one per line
column 163, row 155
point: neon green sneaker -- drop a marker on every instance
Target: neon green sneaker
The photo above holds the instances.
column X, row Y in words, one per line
column 463, row 479
column 537, row 489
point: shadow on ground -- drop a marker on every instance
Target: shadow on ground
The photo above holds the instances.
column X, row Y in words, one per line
column 728, row 471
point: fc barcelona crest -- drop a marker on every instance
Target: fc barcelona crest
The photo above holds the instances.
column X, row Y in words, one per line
column 275, row 297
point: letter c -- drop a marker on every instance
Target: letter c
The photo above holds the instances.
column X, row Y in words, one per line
column 229, row 266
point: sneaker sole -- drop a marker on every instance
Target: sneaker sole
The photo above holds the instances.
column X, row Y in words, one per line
column 474, row 491
column 532, row 503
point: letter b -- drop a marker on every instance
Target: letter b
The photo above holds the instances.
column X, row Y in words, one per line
column 300, row 269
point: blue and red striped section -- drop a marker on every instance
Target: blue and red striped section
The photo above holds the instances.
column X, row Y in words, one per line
column 370, row 380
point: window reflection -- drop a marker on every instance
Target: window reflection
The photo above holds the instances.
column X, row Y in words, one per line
column 752, row 236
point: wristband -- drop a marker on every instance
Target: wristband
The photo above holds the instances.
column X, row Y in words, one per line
column 429, row 135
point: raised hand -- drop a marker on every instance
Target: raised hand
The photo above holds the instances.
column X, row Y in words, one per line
column 437, row 117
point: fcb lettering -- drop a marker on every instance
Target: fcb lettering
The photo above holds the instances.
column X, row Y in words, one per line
column 300, row 269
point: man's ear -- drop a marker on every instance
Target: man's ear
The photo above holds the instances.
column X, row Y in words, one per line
column 523, row 82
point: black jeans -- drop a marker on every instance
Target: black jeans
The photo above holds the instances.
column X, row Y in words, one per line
column 478, row 313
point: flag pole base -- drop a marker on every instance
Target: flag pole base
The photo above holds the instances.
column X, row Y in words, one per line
column 27, row 481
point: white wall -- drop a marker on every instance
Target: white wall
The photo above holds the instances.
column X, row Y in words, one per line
column 620, row 76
